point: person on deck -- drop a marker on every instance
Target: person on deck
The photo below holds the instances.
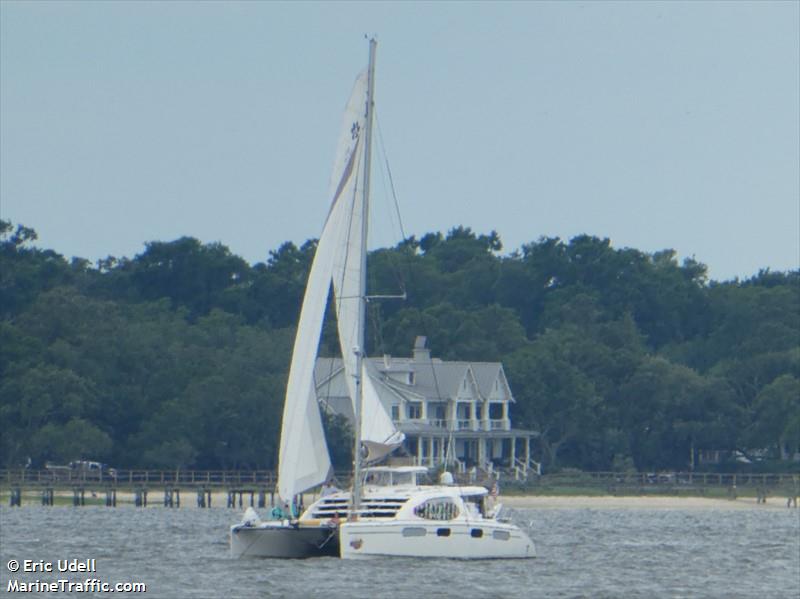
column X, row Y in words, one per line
column 328, row 489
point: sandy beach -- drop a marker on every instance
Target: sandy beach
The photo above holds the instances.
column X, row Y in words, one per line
column 548, row 502
column 639, row 502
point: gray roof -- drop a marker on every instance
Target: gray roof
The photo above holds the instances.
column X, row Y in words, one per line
column 433, row 378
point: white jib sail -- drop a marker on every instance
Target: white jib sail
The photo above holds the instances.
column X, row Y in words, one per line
column 376, row 425
column 304, row 460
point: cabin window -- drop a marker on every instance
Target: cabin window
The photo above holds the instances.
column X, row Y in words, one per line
column 414, row 531
column 437, row 509
column 476, row 533
column 442, row 532
column 502, row 535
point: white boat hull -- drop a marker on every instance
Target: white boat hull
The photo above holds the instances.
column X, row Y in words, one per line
column 283, row 540
column 458, row 540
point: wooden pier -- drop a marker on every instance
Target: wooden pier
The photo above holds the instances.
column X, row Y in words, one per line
column 140, row 487
column 257, row 488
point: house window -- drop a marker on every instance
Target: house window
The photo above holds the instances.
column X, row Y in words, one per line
column 395, row 413
column 414, row 410
column 411, row 378
column 411, row 445
column 496, row 411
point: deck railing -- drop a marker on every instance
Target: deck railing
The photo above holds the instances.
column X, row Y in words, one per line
column 228, row 479
column 132, row 478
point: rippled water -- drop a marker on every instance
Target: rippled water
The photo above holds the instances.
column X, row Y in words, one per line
column 582, row 553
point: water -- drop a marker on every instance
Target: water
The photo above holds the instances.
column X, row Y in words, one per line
column 582, row 553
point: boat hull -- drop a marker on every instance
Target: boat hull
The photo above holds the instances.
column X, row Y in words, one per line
column 286, row 541
column 458, row 540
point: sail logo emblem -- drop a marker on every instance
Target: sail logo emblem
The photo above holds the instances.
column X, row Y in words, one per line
column 356, row 544
column 355, row 130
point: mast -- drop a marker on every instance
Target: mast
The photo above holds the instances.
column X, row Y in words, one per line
column 360, row 348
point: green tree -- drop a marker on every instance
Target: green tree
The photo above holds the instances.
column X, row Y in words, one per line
column 777, row 417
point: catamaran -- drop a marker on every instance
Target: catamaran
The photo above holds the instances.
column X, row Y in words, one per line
column 388, row 512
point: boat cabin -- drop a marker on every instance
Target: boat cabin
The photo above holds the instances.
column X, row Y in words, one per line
column 398, row 476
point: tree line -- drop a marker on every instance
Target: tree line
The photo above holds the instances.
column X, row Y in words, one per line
column 178, row 357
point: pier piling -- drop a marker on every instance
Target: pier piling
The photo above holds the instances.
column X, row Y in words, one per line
column 203, row 498
column 140, row 498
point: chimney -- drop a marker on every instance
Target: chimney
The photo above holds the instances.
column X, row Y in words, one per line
column 421, row 353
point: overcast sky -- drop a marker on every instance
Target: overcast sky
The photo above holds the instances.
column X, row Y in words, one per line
column 658, row 125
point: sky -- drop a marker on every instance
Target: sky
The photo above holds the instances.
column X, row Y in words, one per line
column 657, row 125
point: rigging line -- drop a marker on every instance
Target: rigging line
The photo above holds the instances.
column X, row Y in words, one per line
column 389, row 172
column 377, row 327
column 398, row 274
column 450, row 441
column 339, row 300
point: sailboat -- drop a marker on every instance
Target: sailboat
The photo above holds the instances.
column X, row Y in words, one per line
column 339, row 261
column 388, row 512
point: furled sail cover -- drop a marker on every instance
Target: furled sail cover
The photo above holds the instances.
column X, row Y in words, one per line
column 304, row 460
column 376, row 425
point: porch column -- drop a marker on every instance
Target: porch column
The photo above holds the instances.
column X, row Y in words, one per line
column 513, row 451
column 527, row 451
column 430, row 452
column 481, row 451
column 419, row 450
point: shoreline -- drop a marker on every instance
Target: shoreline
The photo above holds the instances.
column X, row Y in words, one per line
column 219, row 500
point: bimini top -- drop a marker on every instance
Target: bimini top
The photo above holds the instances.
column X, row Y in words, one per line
column 401, row 469
column 393, row 476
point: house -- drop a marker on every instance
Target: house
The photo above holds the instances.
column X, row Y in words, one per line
column 450, row 412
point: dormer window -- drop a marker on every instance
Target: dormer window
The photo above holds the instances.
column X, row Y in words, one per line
column 496, row 411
